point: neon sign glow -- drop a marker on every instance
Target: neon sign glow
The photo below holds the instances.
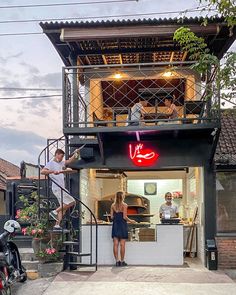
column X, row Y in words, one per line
column 142, row 156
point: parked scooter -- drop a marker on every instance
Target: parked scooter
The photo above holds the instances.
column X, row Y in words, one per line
column 11, row 269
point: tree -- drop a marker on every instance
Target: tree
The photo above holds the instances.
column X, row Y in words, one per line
column 225, row 77
column 226, row 8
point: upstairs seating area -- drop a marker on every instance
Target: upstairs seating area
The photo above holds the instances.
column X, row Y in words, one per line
column 106, row 97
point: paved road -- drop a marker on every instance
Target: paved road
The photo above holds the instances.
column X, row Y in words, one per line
column 143, row 280
column 134, row 281
column 32, row 287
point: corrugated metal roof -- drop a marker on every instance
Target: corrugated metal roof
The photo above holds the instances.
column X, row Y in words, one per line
column 125, row 22
column 226, row 148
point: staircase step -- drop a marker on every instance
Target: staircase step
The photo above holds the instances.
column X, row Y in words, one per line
column 70, row 243
column 79, row 254
column 64, row 231
column 27, row 254
column 23, row 241
column 31, row 265
column 82, row 264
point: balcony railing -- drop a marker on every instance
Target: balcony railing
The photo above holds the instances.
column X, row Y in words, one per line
column 105, row 96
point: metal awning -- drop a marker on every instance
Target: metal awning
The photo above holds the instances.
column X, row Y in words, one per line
column 132, row 41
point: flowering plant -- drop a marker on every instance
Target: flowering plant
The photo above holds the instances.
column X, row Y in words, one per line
column 49, row 254
column 29, row 215
column 37, row 230
column 29, row 212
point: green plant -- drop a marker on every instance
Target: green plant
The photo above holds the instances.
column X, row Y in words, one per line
column 29, row 212
column 37, row 230
column 226, row 8
column 48, row 255
column 29, row 215
column 225, row 78
column 197, row 50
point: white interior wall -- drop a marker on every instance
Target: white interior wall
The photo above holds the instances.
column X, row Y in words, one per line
column 136, row 186
column 195, row 198
column 111, row 186
column 90, row 190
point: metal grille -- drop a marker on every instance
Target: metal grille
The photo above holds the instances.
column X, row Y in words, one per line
column 105, row 97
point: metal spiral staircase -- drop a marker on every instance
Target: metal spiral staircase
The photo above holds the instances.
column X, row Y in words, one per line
column 71, row 235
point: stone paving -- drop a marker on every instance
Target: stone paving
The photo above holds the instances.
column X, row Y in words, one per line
column 135, row 280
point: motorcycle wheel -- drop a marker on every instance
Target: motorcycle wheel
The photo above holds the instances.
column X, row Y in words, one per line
column 6, row 290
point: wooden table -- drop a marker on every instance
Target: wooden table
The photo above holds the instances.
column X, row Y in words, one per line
column 155, row 116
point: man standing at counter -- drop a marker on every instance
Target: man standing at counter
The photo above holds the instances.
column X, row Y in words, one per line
column 168, row 209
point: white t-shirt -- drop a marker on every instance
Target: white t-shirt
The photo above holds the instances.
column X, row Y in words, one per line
column 171, row 210
column 60, row 179
column 136, row 112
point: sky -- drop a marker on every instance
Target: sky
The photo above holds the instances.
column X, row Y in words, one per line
column 32, row 62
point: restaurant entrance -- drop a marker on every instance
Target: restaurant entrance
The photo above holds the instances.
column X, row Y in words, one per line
column 145, row 193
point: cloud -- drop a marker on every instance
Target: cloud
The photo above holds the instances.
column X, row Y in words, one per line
column 52, row 80
column 5, row 60
column 30, row 68
column 17, row 145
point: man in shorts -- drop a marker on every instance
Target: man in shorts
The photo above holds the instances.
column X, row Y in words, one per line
column 56, row 168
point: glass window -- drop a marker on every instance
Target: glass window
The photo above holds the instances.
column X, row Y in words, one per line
column 226, row 202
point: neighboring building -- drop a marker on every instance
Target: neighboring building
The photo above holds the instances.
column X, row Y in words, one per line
column 7, row 169
column 225, row 159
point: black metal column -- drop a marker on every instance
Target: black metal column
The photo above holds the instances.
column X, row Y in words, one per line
column 210, row 201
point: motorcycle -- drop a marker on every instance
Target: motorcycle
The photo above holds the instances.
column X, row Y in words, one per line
column 11, row 269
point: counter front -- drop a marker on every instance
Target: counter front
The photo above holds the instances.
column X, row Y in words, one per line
column 167, row 249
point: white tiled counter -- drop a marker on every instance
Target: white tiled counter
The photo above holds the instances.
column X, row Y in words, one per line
column 166, row 250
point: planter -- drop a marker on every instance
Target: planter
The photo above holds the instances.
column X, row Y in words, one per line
column 39, row 244
column 50, row 269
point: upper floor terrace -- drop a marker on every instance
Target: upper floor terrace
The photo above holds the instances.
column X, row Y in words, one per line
column 112, row 65
column 105, row 98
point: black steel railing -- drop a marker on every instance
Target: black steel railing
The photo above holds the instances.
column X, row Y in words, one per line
column 101, row 100
column 45, row 155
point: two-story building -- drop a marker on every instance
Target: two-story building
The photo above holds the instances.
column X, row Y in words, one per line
column 110, row 66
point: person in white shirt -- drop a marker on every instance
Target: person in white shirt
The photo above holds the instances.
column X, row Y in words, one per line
column 137, row 112
column 56, row 168
column 168, row 210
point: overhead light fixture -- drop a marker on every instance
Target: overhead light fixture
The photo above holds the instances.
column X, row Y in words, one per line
column 168, row 74
column 117, row 75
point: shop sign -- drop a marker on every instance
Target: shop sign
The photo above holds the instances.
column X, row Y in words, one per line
column 142, row 156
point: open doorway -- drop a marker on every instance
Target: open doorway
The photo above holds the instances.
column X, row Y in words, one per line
column 145, row 193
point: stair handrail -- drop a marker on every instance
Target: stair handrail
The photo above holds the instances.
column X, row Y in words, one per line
column 75, row 197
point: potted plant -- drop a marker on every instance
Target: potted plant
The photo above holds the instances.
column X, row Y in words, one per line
column 49, row 254
column 42, row 240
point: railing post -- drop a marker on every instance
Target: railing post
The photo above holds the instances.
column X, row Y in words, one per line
column 64, row 95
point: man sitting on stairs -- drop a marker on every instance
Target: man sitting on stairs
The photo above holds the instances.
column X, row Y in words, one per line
column 56, row 168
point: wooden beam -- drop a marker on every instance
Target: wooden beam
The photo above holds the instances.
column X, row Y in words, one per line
column 184, row 55
column 154, row 57
column 116, row 51
column 75, row 34
column 172, row 56
column 104, row 59
column 79, row 61
column 87, row 59
column 121, row 60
